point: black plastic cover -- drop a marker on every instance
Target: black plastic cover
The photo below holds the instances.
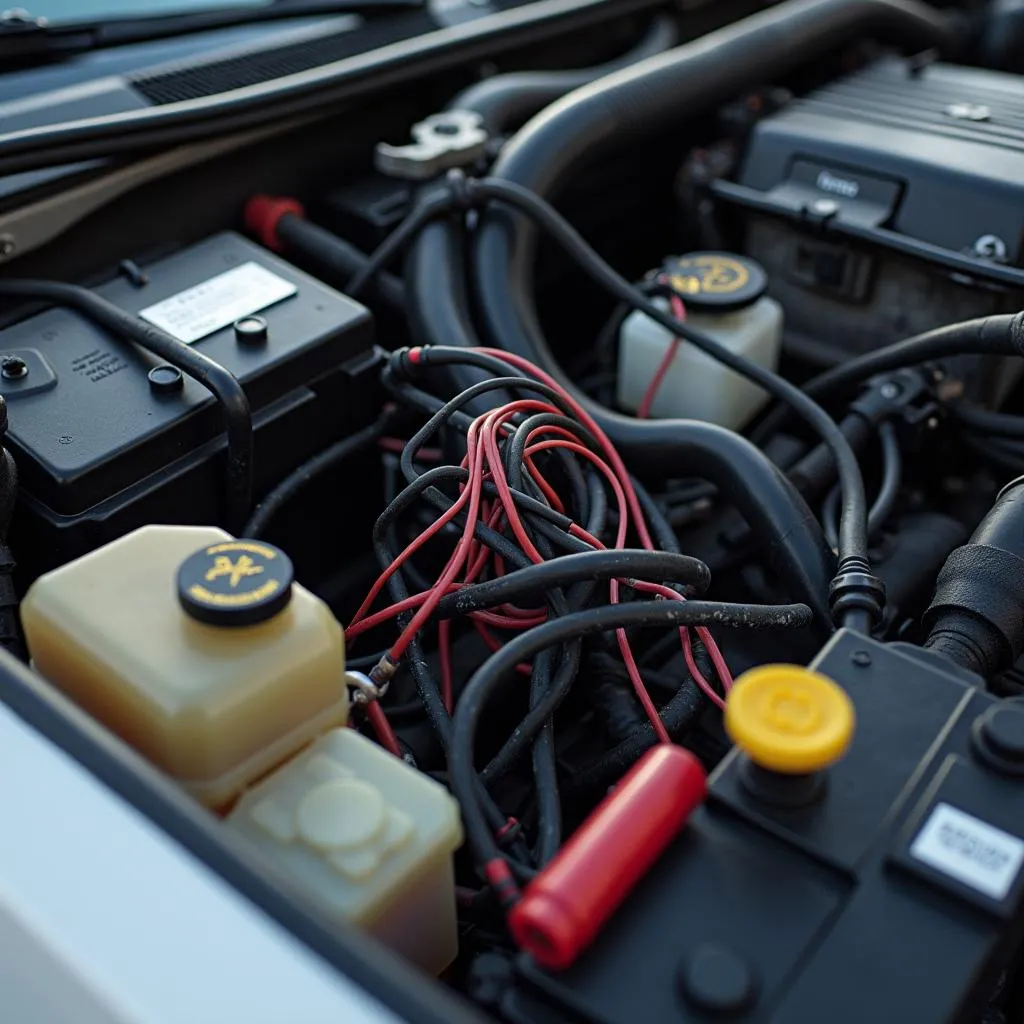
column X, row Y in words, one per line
column 936, row 153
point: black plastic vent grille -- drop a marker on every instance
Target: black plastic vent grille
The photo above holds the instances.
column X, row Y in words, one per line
column 208, row 78
column 886, row 94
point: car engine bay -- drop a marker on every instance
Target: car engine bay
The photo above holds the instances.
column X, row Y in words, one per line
column 544, row 488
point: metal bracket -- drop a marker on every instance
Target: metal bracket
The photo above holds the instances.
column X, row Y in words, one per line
column 456, row 138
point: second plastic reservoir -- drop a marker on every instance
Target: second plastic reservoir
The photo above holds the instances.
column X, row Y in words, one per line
column 724, row 299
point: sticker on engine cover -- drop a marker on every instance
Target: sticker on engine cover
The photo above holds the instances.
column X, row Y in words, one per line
column 970, row 850
column 218, row 302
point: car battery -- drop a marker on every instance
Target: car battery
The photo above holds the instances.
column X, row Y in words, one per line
column 886, row 886
column 107, row 438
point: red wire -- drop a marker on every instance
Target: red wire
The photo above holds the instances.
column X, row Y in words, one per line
column 632, row 669
column 382, row 727
column 495, row 645
column 644, row 409
column 434, row 528
column 581, row 414
column 458, row 559
column 397, row 445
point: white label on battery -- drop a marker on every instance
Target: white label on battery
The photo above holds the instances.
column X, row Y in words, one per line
column 970, row 850
column 218, row 302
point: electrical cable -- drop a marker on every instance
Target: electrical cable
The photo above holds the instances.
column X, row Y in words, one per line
column 590, row 566
column 791, row 540
column 576, row 625
column 888, row 492
column 679, row 714
column 221, row 383
column 999, row 335
column 988, row 422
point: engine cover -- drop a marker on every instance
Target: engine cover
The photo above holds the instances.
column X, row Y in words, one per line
column 936, row 154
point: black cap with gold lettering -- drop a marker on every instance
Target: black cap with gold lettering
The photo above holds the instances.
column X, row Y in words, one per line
column 235, row 583
column 715, row 282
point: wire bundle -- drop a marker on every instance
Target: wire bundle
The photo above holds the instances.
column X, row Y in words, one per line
column 541, row 514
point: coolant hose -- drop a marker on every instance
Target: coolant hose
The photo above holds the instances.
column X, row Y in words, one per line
column 505, row 101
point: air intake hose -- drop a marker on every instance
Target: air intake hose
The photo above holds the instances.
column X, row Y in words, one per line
column 976, row 618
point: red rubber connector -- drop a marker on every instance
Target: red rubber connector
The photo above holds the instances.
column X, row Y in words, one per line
column 262, row 214
column 564, row 907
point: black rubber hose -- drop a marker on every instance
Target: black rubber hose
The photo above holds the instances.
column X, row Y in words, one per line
column 435, row 278
column 487, row 678
column 221, row 383
column 434, row 269
column 817, row 469
column 1000, row 335
column 585, row 567
column 505, row 101
column 326, row 460
column 989, row 423
column 654, row 96
column 334, row 259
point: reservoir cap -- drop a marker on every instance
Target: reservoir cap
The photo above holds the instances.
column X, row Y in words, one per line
column 789, row 719
column 716, row 282
column 235, row 583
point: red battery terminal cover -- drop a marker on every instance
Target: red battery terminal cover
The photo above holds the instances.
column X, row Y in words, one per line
column 565, row 906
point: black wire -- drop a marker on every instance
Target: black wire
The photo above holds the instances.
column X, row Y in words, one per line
column 545, row 690
column 429, row 208
column 430, row 696
column 326, row 460
column 576, row 625
column 888, row 491
column 497, row 542
column 221, row 383
column 439, row 418
column 1002, row 334
column 679, row 714
column 545, row 766
column 985, row 421
column 589, row 566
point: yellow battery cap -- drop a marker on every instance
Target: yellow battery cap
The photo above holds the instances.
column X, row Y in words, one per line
column 789, row 719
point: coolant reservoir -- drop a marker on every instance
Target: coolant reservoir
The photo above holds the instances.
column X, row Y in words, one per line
column 724, row 297
column 367, row 837
column 197, row 649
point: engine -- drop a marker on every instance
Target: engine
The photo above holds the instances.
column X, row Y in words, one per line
column 537, row 493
